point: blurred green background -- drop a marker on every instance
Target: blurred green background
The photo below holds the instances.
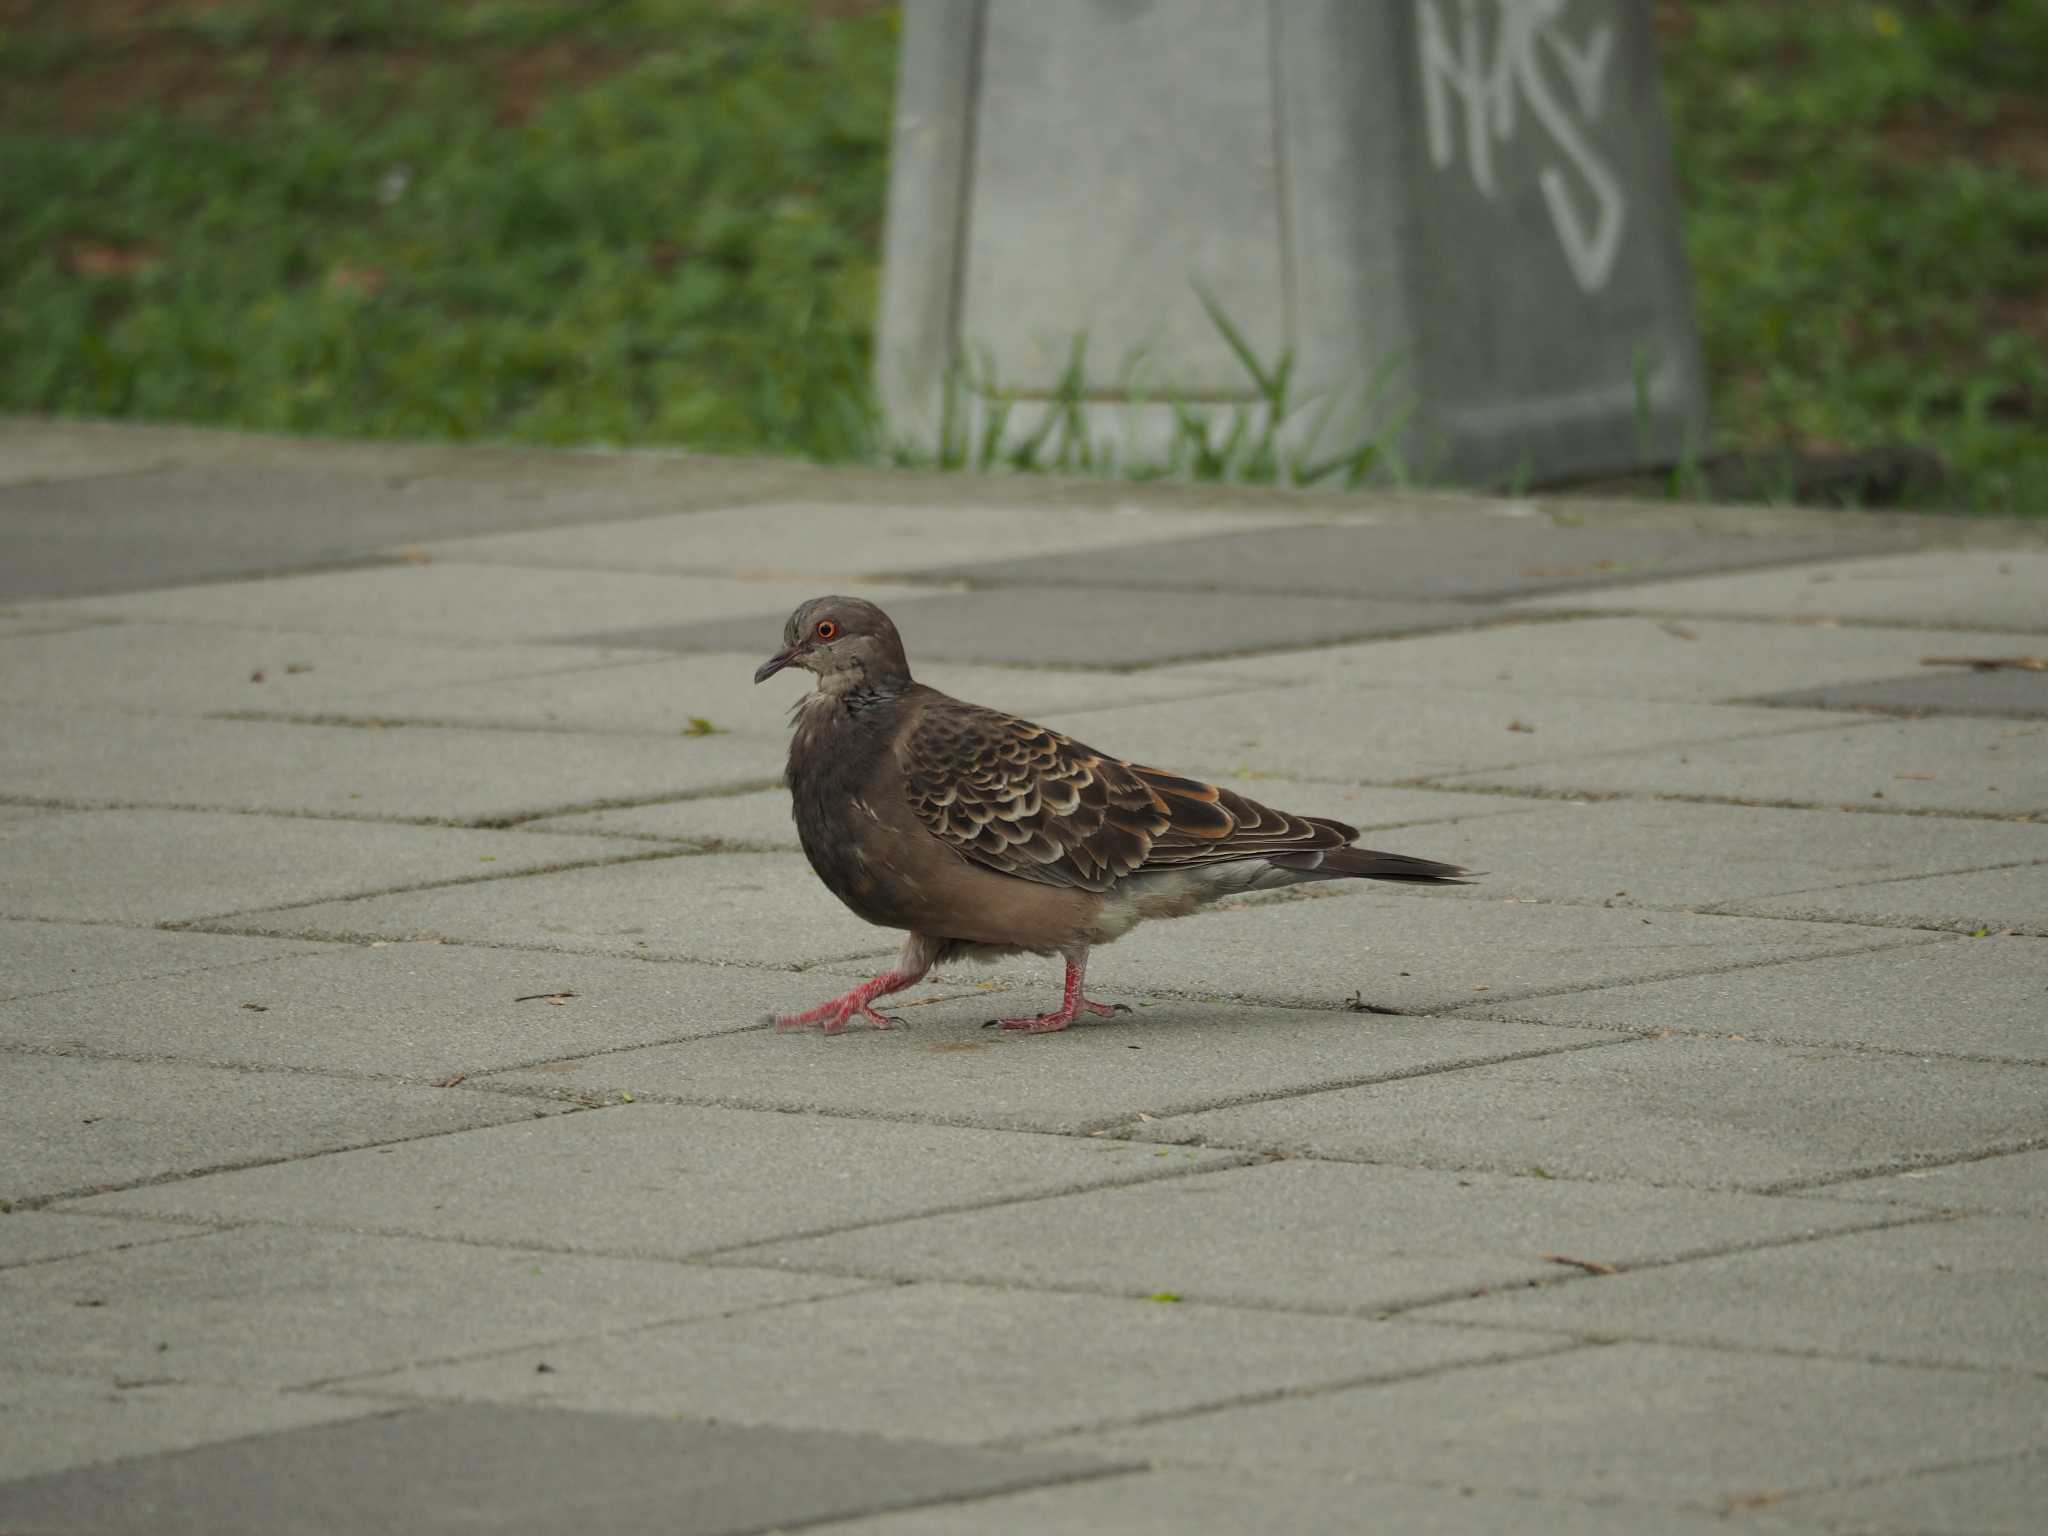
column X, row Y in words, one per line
column 659, row 221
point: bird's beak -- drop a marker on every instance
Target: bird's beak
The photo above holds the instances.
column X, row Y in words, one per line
column 775, row 664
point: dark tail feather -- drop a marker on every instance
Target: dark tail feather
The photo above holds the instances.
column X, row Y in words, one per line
column 1370, row 864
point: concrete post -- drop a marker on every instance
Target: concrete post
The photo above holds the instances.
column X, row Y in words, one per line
column 1457, row 217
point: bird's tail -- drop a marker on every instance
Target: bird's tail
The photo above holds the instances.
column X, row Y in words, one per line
column 1371, row 864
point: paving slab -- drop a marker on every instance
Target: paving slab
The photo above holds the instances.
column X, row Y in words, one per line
column 1065, row 625
column 684, row 696
column 1314, row 1236
column 762, row 820
column 150, row 526
column 1941, row 1293
column 118, row 866
column 750, row 822
column 53, row 1423
column 764, row 909
column 944, row 1067
column 1395, row 950
column 420, row 1011
column 1954, row 589
column 75, row 1125
column 36, row 1237
column 1669, row 854
column 448, row 600
column 14, row 628
column 700, row 1179
column 1700, row 661
column 1350, row 735
column 98, row 759
column 2011, row 900
column 44, row 957
column 2015, row 1185
column 1191, row 1501
column 1967, row 997
column 1627, row 1422
column 215, row 669
column 1962, row 765
column 960, row 1364
column 1996, row 1498
column 512, row 1470
column 2011, row 693
column 1486, row 557
column 1709, row 1114
column 839, row 542
column 30, row 451
column 270, row 1307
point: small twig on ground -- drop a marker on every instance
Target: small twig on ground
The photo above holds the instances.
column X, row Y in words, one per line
column 1590, row 1266
column 1989, row 663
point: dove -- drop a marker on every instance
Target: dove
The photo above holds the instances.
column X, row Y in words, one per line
column 982, row 834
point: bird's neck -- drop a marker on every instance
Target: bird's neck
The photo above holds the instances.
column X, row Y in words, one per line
column 857, row 681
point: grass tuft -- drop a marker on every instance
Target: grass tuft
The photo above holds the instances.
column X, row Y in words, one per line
column 659, row 221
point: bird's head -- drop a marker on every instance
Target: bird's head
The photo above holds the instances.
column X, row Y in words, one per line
column 847, row 642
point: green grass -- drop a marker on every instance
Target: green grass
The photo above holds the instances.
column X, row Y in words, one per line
column 1867, row 219
column 659, row 221
column 353, row 238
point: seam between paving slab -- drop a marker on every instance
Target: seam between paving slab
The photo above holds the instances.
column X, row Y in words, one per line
column 1844, row 621
column 1817, row 1185
column 1144, row 1420
column 1440, row 784
column 483, row 877
column 1899, row 1479
column 1025, row 1481
column 1515, row 765
column 386, row 936
column 1107, row 1127
column 1453, row 1010
column 338, row 1386
column 37, row 1202
column 1904, row 1163
column 380, row 936
column 1591, row 1335
column 226, row 926
column 1383, row 1311
column 1851, row 807
column 128, row 981
column 720, row 1257
column 1105, row 1471
column 1851, row 885
column 491, row 823
column 1901, row 1216
column 1654, row 1512
column 1750, row 1037
column 182, row 1233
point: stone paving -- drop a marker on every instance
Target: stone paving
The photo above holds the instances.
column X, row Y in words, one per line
column 393, row 881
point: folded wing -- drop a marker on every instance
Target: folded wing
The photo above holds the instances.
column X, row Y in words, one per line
column 1033, row 803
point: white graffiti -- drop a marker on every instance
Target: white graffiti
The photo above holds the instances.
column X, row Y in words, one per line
column 1492, row 93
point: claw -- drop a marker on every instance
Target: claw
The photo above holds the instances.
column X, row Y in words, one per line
column 831, row 1017
column 1072, row 1006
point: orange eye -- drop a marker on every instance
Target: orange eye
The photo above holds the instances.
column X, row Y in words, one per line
column 827, row 629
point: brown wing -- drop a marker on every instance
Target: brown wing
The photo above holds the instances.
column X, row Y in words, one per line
column 1030, row 802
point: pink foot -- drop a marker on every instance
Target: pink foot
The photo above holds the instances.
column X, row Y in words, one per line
column 831, row 1017
column 834, row 1021
column 1047, row 1023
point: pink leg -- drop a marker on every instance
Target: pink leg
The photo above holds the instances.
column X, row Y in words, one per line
column 1072, row 1003
column 831, row 1017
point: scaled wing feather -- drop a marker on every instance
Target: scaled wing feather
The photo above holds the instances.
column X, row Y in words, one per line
column 1033, row 803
